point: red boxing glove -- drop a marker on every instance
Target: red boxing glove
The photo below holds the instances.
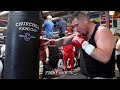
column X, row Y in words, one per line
column 80, row 41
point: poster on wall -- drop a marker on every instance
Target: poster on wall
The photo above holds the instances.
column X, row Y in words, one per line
column 103, row 20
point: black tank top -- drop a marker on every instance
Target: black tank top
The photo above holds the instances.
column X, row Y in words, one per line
column 96, row 68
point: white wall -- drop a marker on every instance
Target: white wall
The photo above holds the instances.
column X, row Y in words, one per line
column 118, row 23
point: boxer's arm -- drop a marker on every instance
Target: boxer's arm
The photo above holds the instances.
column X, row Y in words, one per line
column 61, row 41
column 64, row 41
column 105, row 44
column 58, row 42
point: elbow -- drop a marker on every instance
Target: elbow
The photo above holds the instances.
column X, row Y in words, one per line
column 105, row 59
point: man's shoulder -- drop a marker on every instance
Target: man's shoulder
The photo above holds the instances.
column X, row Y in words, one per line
column 104, row 32
column 102, row 27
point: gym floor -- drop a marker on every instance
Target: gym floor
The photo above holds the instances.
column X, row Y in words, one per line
column 78, row 74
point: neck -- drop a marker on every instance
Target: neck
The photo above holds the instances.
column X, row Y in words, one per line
column 91, row 28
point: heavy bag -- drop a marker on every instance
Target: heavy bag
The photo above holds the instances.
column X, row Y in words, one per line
column 22, row 45
column 83, row 68
column 54, row 56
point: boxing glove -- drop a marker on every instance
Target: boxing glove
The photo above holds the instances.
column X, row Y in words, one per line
column 80, row 41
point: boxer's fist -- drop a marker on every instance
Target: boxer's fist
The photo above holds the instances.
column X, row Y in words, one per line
column 78, row 40
column 81, row 42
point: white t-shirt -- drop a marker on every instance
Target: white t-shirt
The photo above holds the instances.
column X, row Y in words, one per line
column 3, row 50
column 118, row 46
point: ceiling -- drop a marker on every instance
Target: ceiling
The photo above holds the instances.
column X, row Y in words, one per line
column 54, row 14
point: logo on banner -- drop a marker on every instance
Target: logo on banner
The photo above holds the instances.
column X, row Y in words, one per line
column 27, row 36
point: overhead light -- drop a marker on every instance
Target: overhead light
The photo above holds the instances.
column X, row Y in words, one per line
column 4, row 13
column 45, row 11
column 111, row 12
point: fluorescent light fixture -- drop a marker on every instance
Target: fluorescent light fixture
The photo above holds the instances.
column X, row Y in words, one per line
column 45, row 11
column 4, row 13
column 111, row 12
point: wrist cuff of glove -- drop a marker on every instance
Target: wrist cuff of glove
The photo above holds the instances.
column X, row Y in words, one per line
column 88, row 47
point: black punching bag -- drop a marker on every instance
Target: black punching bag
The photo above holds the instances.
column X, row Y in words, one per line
column 22, row 45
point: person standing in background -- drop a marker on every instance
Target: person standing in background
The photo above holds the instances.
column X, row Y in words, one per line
column 117, row 37
column 48, row 25
column 62, row 25
column 43, row 58
column 68, row 52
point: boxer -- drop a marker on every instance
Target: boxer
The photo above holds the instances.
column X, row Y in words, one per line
column 97, row 44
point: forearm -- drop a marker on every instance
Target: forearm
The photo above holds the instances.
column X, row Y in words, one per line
column 47, row 52
column 64, row 41
column 100, row 55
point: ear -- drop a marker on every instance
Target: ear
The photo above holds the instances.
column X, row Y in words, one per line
column 85, row 20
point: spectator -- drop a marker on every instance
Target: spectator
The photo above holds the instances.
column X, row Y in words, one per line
column 117, row 37
column 62, row 25
column 48, row 25
column 70, row 28
column 43, row 58
column 68, row 53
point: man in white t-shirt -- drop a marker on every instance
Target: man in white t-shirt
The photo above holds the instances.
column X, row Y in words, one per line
column 117, row 37
column 2, row 55
column 3, row 50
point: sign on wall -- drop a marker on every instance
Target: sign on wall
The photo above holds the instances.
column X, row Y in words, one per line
column 103, row 20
